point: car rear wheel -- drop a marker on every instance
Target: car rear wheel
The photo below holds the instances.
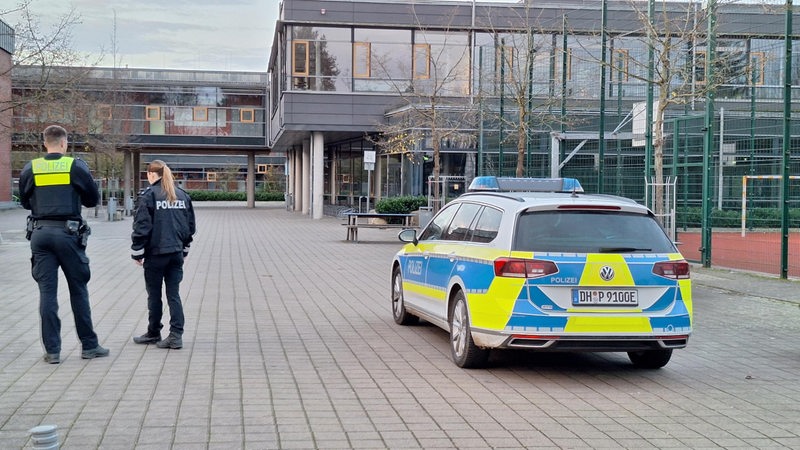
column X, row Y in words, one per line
column 650, row 359
column 465, row 353
column 401, row 315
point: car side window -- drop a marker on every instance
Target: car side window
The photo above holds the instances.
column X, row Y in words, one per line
column 487, row 226
column 434, row 230
column 459, row 227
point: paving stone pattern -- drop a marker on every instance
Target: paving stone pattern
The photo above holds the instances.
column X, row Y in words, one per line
column 290, row 344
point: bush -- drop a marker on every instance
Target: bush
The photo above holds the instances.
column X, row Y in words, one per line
column 218, row 196
column 400, row 205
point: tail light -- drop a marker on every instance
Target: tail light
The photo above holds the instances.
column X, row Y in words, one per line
column 523, row 268
column 675, row 270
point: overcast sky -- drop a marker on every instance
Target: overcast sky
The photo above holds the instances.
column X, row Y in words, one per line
column 170, row 34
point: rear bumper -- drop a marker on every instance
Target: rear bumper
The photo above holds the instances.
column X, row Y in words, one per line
column 565, row 343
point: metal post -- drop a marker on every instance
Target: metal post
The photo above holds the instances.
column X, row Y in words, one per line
column 787, row 122
column 529, row 121
column 480, row 111
column 502, row 95
column 708, row 137
column 721, row 156
column 44, row 437
column 648, row 130
column 601, row 149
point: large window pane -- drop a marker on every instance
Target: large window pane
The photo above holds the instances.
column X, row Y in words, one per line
column 448, row 63
column 388, row 61
column 321, row 58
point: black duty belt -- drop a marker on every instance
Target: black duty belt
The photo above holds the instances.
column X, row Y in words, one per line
column 50, row 223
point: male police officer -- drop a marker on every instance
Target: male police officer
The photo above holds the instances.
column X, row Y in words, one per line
column 53, row 188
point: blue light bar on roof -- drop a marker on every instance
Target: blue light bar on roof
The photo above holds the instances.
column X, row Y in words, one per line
column 508, row 184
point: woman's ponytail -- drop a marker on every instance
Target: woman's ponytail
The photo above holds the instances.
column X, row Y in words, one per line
column 167, row 180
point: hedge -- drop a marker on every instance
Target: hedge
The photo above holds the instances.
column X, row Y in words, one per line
column 757, row 217
column 211, row 196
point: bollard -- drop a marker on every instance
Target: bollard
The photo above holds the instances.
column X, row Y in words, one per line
column 112, row 208
column 45, row 437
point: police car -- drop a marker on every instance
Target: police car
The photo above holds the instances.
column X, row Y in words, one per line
column 538, row 264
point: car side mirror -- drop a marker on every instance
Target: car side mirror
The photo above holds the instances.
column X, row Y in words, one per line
column 408, row 235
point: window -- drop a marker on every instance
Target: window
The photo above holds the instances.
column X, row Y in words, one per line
column 619, row 64
column 560, row 61
column 459, row 227
column 300, row 58
column 247, row 115
column 505, row 62
column 104, row 112
column 422, row 61
column 758, row 64
column 200, row 114
column 261, row 168
column 152, row 113
column 589, row 232
column 434, row 230
column 487, row 225
column 361, row 59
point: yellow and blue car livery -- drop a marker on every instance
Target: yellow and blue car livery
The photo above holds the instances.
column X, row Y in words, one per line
column 615, row 298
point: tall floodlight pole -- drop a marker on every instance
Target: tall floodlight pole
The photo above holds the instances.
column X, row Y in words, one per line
column 502, row 109
column 708, row 137
column 648, row 128
column 529, row 118
column 480, row 111
column 787, row 123
column 601, row 148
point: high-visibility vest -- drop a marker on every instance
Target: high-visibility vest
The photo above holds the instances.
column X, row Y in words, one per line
column 54, row 196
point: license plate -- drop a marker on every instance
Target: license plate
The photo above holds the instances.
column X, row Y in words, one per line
column 605, row 297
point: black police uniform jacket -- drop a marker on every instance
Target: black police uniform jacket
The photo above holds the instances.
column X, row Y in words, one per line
column 160, row 226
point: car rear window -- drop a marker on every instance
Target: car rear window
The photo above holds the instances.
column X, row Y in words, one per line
column 590, row 232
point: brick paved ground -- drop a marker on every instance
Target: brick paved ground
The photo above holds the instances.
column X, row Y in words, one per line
column 290, row 343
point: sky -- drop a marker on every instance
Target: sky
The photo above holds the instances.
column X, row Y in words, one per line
column 234, row 35
column 229, row 35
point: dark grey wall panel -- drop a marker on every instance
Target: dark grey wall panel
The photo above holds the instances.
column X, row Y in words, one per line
column 583, row 15
column 339, row 112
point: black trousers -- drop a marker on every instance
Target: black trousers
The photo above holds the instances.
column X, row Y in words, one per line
column 164, row 269
column 53, row 247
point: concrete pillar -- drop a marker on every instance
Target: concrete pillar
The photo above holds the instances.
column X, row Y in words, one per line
column 334, row 159
column 251, row 180
column 306, row 190
column 317, row 175
column 298, row 179
column 127, row 182
column 137, row 168
column 378, row 174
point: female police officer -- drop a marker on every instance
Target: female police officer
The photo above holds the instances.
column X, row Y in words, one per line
column 162, row 231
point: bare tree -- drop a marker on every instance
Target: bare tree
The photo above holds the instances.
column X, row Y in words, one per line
column 432, row 95
column 674, row 37
column 516, row 68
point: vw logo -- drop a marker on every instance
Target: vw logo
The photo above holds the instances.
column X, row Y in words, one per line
column 607, row 273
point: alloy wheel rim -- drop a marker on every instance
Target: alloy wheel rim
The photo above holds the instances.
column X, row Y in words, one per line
column 459, row 338
column 397, row 296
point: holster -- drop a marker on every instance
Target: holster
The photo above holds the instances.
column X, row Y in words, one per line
column 29, row 228
column 83, row 232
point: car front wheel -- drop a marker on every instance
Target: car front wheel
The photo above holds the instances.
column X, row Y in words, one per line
column 465, row 353
column 401, row 315
column 650, row 359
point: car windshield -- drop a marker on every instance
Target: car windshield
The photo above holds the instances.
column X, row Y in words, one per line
column 590, row 232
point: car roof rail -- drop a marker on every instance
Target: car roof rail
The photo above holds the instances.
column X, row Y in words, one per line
column 492, row 183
